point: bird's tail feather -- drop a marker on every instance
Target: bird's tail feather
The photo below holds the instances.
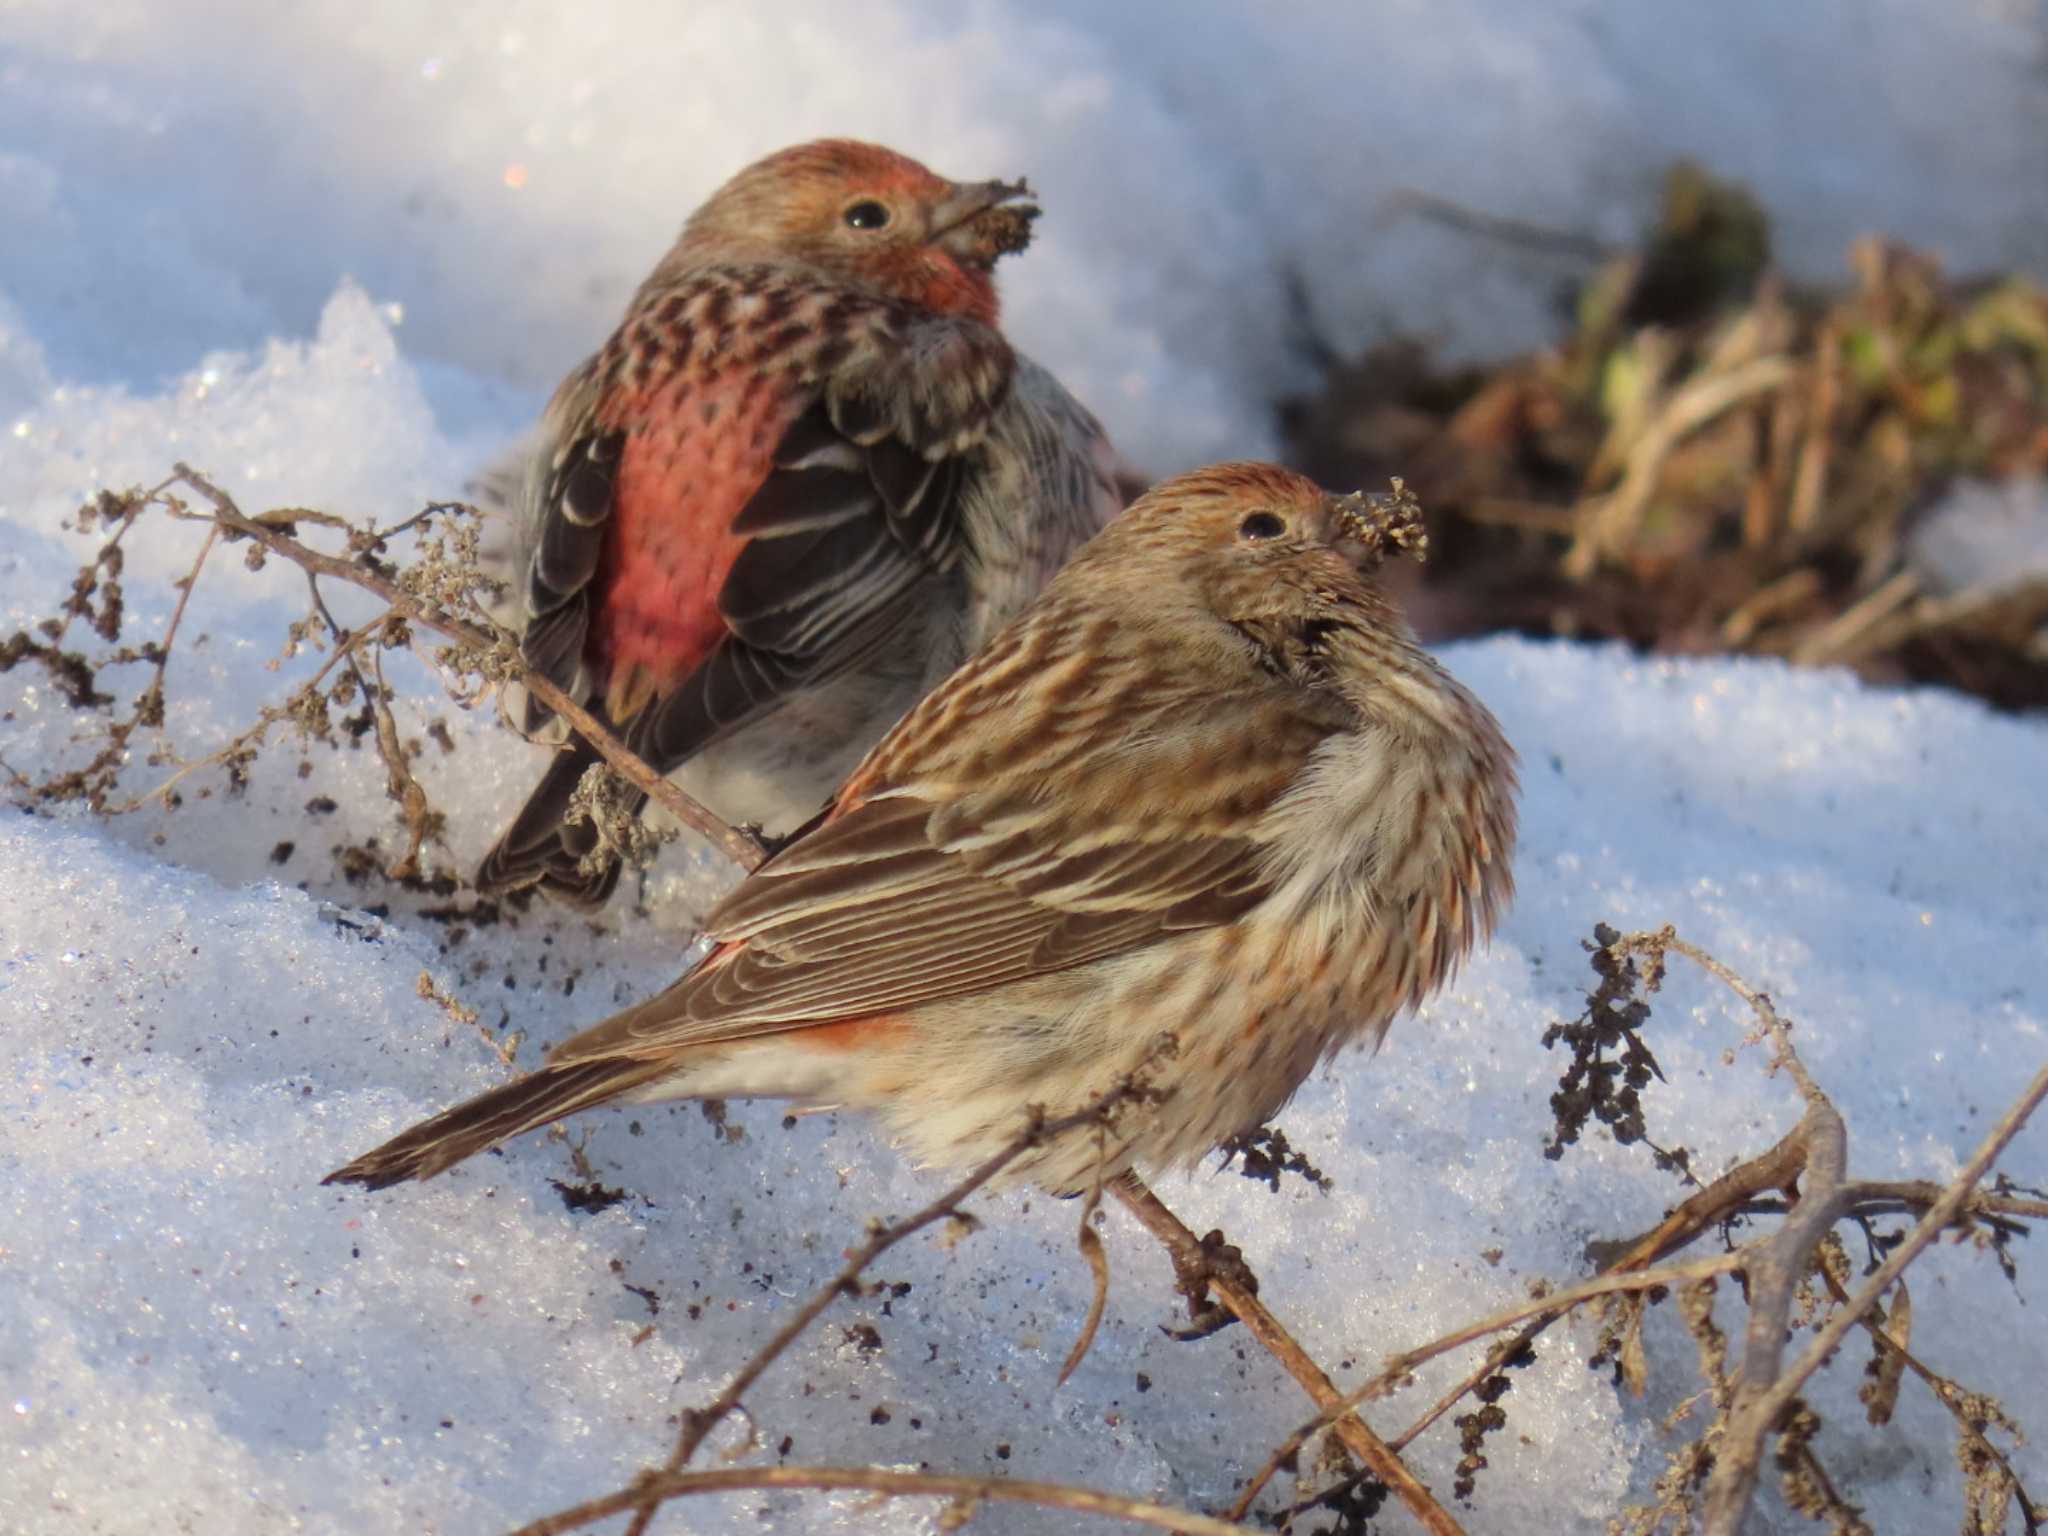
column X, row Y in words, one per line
column 490, row 1118
column 543, row 848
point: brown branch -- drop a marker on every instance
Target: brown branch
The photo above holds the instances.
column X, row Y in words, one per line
column 155, row 690
column 698, row 1423
column 1493, row 226
column 1735, row 1469
column 1779, row 1168
column 1775, row 1266
column 1665, row 1275
column 1705, row 1208
column 400, row 783
column 345, row 645
column 1775, row 1169
column 1946, row 1392
column 963, row 1493
column 1815, row 1149
column 1186, row 1249
column 735, row 844
column 1893, row 1197
column 1765, row 1390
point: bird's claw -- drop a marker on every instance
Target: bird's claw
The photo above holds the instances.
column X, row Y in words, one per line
column 768, row 842
column 1192, row 1276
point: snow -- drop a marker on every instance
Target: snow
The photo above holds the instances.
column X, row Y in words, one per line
column 335, row 258
column 1983, row 536
column 182, row 178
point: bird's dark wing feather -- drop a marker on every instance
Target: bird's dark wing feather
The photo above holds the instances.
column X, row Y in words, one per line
column 844, row 534
column 576, row 509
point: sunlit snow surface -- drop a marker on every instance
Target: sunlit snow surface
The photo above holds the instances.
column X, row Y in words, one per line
column 192, row 1330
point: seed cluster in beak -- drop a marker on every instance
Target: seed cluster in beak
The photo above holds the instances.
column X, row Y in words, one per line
column 1006, row 228
column 987, row 221
column 1384, row 522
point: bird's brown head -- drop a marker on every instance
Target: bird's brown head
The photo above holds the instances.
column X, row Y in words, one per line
column 1259, row 555
column 872, row 217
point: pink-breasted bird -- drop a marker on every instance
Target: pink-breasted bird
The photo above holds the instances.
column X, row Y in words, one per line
column 802, row 480
column 1206, row 786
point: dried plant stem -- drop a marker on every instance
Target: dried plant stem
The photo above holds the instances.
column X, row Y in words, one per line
column 698, row 1423
column 1891, row 1197
column 1765, row 1389
column 401, row 784
column 344, row 649
column 1705, row 1208
column 1605, row 522
column 1492, row 226
column 962, row 1493
column 1758, row 1408
column 191, row 580
column 1778, row 1168
column 1945, row 1392
column 1813, row 1155
column 735, row 844
column 1097, row 1256
column 1158, row 1219
column 1669, row 1276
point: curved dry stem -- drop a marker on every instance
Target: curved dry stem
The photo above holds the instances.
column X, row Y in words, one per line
column 961, row 1493
column 1669, row 1276
column 1734, row 1479
column 1097, row 1256
column 734, row 843
column 1813, row 1154
column 1158, row 1219
column 345, row 646
column 698, row 1423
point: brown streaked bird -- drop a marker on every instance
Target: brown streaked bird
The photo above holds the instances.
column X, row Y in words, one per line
column 803, row 480
column 1206, row 786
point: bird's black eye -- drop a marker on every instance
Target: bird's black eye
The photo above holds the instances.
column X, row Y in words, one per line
column 867, row 214
column 1261, row 525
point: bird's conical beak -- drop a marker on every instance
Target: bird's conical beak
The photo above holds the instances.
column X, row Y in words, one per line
column 980, row 221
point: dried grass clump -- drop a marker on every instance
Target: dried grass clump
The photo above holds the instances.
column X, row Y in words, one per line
column 1714, row 461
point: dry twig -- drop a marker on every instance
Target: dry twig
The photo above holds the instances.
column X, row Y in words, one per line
column 735, row 844
column 698, row 1423
column 961, row 1493
column 1760, row 1399
column 1191, row 1260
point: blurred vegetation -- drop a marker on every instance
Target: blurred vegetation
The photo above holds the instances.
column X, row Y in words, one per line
column 1715, row 461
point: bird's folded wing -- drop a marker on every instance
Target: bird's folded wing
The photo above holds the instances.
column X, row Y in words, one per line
column 911, row 923
column 860, row 509
column 575, row 508
column 901, row 901
column 840, row 538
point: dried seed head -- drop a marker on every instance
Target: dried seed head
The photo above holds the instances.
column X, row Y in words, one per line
column 1385, row 523
column 1004, row 229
